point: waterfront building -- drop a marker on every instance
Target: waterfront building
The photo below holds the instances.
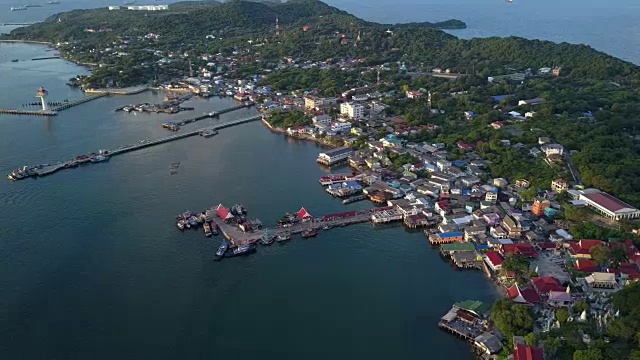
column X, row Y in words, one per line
column 448, row 237
column 494, row 260
column 334, row 156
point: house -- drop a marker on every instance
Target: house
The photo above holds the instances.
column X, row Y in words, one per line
column 526, row 352
column 610, row 206
column 545, row 284
column 512, row 226
column 535, row 152
column 312, row 102
column 559, row 185
column 415, row 94
column 585, row 265
column 470, row 115
column 523, row 249
column 488, row 342
column 526, row 296
column 321, row 119
column 556, row 71
column 497, row 125
column 599, row 281
column 552, row 149
column 543, row 140
column 522, row 183
column 531, row 102
column 559, row 299
column 333, row 156
column 529, row 114
column 500, row 182
column 352, row 110
column 491, row 196
column 494, row 259
column 341, row 127
column 582, row 248
column 539, row 205
column 378, row 106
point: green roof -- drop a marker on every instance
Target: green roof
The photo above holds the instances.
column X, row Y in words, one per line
column 474, row 306
column 457, row 246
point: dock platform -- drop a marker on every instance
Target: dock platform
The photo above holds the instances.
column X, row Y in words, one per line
column 47, row 169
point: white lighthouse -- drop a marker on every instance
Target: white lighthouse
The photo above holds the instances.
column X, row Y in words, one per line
column 42, row 94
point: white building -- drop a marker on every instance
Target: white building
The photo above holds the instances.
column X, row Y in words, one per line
column 334, row 156
column 341, row 127
column 361, row 97
column 352, row 110
column 609, row 205
column 322, row 119
column 552, row 149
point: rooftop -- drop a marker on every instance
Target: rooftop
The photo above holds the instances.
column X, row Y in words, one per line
column 609, row 202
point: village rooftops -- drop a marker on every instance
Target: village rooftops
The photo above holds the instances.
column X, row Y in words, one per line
column 526, row 352
column 474, row 306
column 546, row 284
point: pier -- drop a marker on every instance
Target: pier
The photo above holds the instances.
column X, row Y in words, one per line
column 176, row 125
column 47, row 169
column 237, row 237
column 118, row 91
column 46, row 110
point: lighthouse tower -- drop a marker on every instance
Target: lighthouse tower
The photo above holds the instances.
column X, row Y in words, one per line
column 42, row 94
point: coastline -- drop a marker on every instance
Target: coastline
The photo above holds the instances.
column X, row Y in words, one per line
column 298, row 137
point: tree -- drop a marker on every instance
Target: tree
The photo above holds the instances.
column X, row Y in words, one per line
column 511, row 319
column 581, row 306
column 562, row 316
column 531, row 339
column 600, row 254
column 590, row 354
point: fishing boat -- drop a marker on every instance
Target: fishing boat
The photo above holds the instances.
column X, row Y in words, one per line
column 18, row 8
column 268, row 239
column 309, row 233
column 180, row 224
column 207, row 229
column 52, row 2
column 207, row 216
column 242, row 250
column 222, row 249
column 284, row 237
column 327, row 227
column 14, row 60
column 214, row 229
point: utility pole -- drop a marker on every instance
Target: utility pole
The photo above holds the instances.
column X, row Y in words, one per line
column 277, row 27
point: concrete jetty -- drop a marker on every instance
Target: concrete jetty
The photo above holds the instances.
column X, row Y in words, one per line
column 118, row 91
column 52, row 111
column 47, row 169
column 208, row 115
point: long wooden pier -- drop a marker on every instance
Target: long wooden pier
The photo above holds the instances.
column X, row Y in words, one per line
column 47, row 169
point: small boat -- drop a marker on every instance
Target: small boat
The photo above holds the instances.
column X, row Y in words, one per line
column 193, row 221
column 327, row 227
column 180, row 224
column 242, row 250
column 214, row 229
column 309, row 233
column 283, row 238
column 18, row 8
column 52, row 2
column 207, row 229
column 268, row 239
column 222, row 249
column 14, row 60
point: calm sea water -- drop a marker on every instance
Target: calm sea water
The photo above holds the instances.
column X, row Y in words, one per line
column 612, row 27
column 92, row 266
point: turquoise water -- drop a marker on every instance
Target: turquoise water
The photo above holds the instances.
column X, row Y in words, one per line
column 92, row 265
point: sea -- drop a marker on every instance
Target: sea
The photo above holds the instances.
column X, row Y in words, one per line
column 92, row 265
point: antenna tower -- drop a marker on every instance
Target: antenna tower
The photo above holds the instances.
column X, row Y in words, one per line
column 277, row 27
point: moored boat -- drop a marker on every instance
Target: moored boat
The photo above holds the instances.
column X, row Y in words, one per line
column 214, row 229
column 284, row 237
column 207, row 229
column 309, row 234
column 222, row 249
column 242, row 250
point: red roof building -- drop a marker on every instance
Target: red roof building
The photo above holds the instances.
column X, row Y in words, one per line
column 581, row 248
column 223, row 213
column 494, row 260
column 526, row 296
column 610, row 206
column 303, row 214
column 585, row 265
column 526, row 352
column 524, row 249
column 546, row 284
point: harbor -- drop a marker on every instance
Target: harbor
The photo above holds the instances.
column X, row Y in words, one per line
column 104, row 155
column 175, row 126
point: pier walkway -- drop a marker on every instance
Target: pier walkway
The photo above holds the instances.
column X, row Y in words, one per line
column 214, row 114
column 76, row 102
column 47, row 169
column 53, row 110
column 238, row 237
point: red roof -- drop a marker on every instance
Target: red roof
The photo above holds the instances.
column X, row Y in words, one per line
column 524, row 249
column 223, row 213
column 586, row 265
column 547, row 245
column 583, row 246
column 526, row 296
column 526, row 352
column 608, row 202
column 545, row 284
column 303, row 214
column 495, row 258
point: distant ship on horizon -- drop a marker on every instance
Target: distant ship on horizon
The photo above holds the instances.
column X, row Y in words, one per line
column 51, row 2
column 18, row 8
